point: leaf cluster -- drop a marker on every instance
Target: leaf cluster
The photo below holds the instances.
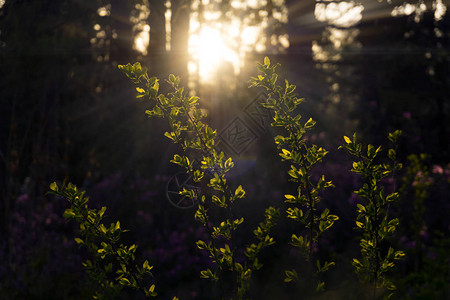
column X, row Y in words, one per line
column 197, row 139
column 372, row 214
column 302, row 157
column 113, row 265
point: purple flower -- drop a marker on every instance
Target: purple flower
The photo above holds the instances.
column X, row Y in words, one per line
column 407, row 115
column 22, row 199
column 437, row 169
column 423, row 233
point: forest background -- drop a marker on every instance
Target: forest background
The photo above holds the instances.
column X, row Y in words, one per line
column 68, row 113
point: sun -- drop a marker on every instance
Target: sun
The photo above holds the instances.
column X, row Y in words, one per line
column 211, row 48
column 221, row 36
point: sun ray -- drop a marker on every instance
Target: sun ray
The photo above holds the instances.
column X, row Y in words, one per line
column 221, row 37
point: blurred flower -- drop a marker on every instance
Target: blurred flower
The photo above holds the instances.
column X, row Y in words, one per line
column 22, row 199
column 423, row 233
column 407, row 115
column 437, row 169
column 322, row 135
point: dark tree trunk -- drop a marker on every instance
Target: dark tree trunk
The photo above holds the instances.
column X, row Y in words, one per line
column 180, row 36
column 122, row 46
column 157, row 45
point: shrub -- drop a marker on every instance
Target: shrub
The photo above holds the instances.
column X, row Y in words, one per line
column 114, row 265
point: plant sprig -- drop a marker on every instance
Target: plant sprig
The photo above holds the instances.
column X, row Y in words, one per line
column 188, row 130
column 373, row 219
column 302, row 157
column 113, row 265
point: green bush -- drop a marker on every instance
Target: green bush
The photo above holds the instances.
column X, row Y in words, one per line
column 113, row 265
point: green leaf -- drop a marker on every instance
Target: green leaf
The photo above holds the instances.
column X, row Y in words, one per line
column 325, row 213
column 228, row 164
column 347, row 140
column 399, row 255
column 207, row 274
column 103, row 228
column 370, row 151
column 238, row 267
column 201, row 244
column 266, row 61
column 295, row 173
column 218, row 201
column 391, row 154
column 310, row 123
column 299, row 241
column 295, row 213
column 198, row 175
column 146, row 265
column 291, row 275
column 393, row 136
column 394, row 222
column 285, row 154
column 320, row 286
column 54, row 186
column 124, row 281
column 360, row 207
column 170, row 135
column 290, row 198
column 356, row 263
column 68, row 213
column 101, row 212
column 333, row 218
column 392, row 197
column 239, row 193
